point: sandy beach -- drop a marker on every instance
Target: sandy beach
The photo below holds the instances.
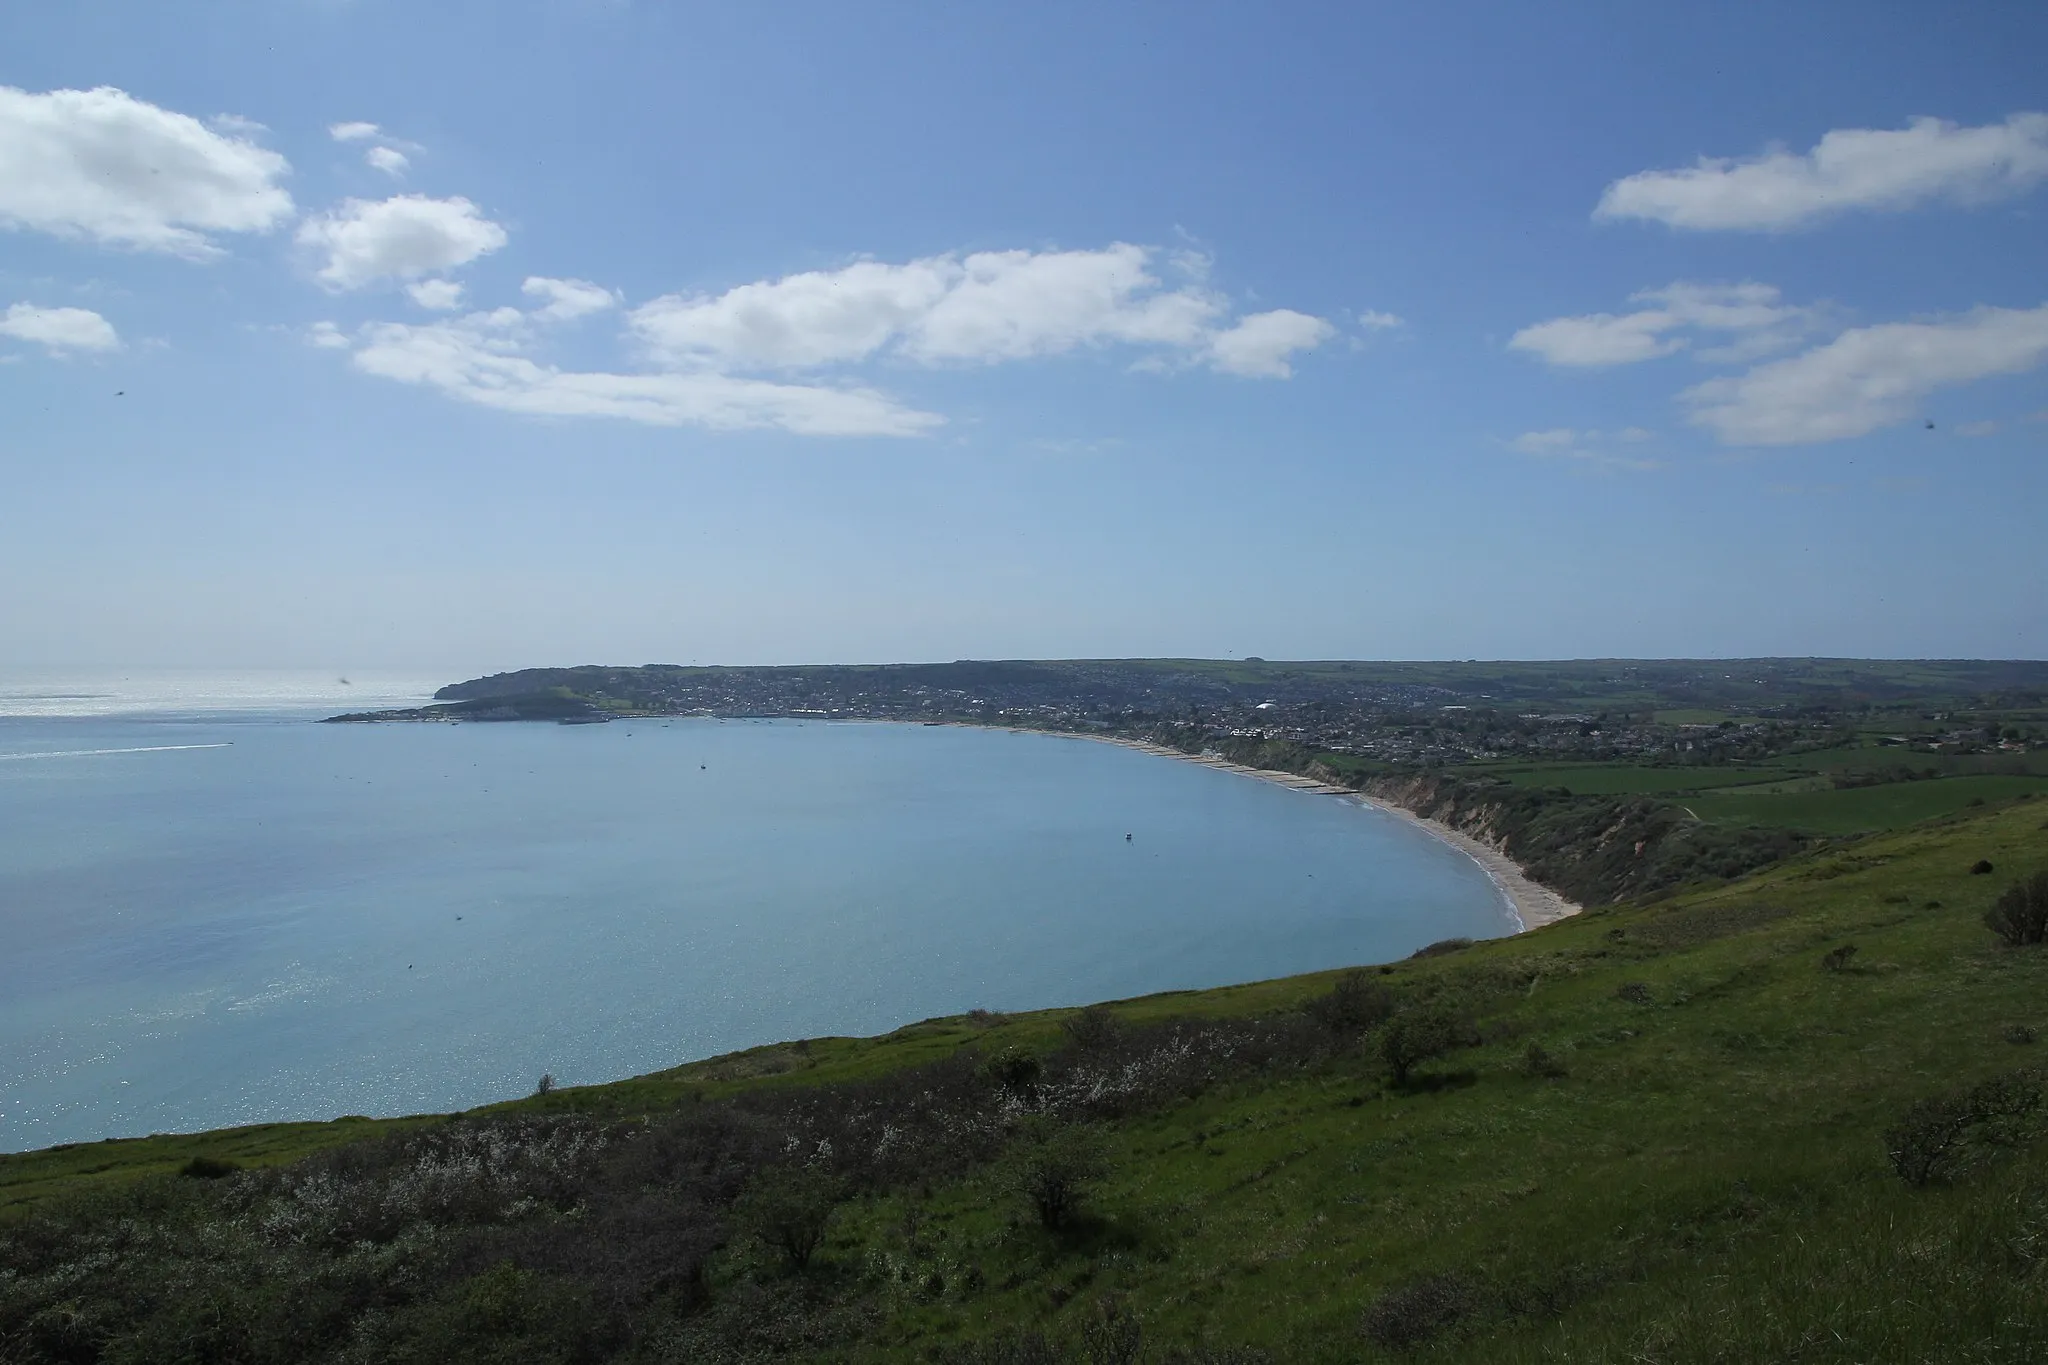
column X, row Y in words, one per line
column 1534, row 906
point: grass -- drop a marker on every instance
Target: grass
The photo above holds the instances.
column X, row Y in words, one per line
column 1630, row 779
column 1711, row 1165
column 1854, row 810
column 1705, row 1182
column 30, row 1178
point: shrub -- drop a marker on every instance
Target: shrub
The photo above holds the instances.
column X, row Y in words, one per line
column 1415, row 1036
column 1442, row 946
column 1053, row 1165
column 208, row 1168
column 502, row 1315
column 1540, row 1062
column 1838, row 960
column 1095, row 1029
column 1635, row 992
column 1923, row 1143
column 547, row 1084
column 1419, row 1311
column 1014, row 1072
column 789, row 1208
column 1355, row 1003
column 1982, row 867
column 2019, row 1035
column 1939, row 1137
column 2020, row 914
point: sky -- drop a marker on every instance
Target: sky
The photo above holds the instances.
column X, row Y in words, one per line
column 468, row 336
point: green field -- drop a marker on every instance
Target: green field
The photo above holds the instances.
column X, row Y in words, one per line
column 1855, row 810
column 1698, row 1174
column 1627, row 779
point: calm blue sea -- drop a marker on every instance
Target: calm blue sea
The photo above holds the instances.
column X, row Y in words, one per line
column 215, row 911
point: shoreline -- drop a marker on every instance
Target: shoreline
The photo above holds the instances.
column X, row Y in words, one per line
column 1529, row 904
column 1532, row 905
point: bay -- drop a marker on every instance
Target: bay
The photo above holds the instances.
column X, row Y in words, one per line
column 217, row 912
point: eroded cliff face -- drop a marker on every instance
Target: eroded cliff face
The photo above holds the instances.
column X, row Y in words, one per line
column 1433, row 798
column 1591, row 849
column 1594, row 850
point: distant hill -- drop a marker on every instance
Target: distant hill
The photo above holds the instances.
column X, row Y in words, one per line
column 1566, row 683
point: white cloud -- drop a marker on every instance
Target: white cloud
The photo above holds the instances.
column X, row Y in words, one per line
column 981, row 308
column 1597, row 339
column 1010, row 305
column 1850, row 168
column 59, row 330
column 105, row 166
column 1590, row 449
column 799, row 321
column 398, row 238
column 234, row 125
column 389, row 160
column 985, row 307
column 351, row 132
column 1868, row 377
column 1547, row 442
column 327, row 337
column 1984, row 428
column 480, row 359
column 567, row 299
column 440, row 295
column 1259, row 346
column 1375, row 321
column 1751, row 314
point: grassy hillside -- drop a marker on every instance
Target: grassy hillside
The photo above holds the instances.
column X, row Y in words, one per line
column 1658, row 1133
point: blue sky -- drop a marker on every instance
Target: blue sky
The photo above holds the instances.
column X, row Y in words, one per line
column 349, row 333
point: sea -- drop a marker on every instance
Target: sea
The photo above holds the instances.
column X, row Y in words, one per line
column 216, row 911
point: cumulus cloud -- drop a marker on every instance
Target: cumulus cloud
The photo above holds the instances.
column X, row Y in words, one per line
column 1599, row 339
column 567, row 299
column 799, row 321
column 105, row 166
column 389, row 160
column 327, row 337
column 482, row 359
column 441, row 296
column 1375, row 321
column 980, row 308
column 699, row 351
column 1752, row 316
column 399, row 238
column 1868, row 377
column 1011, row 305
column 59, row 330
column 1259, row 346
column 1590, row 449
column 352, row 132
column 1849, row 168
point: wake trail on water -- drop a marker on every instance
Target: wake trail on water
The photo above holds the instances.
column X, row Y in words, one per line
column 94, row 753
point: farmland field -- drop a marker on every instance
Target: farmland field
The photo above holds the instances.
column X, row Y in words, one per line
column 1627, row 779
column 1856, row 810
